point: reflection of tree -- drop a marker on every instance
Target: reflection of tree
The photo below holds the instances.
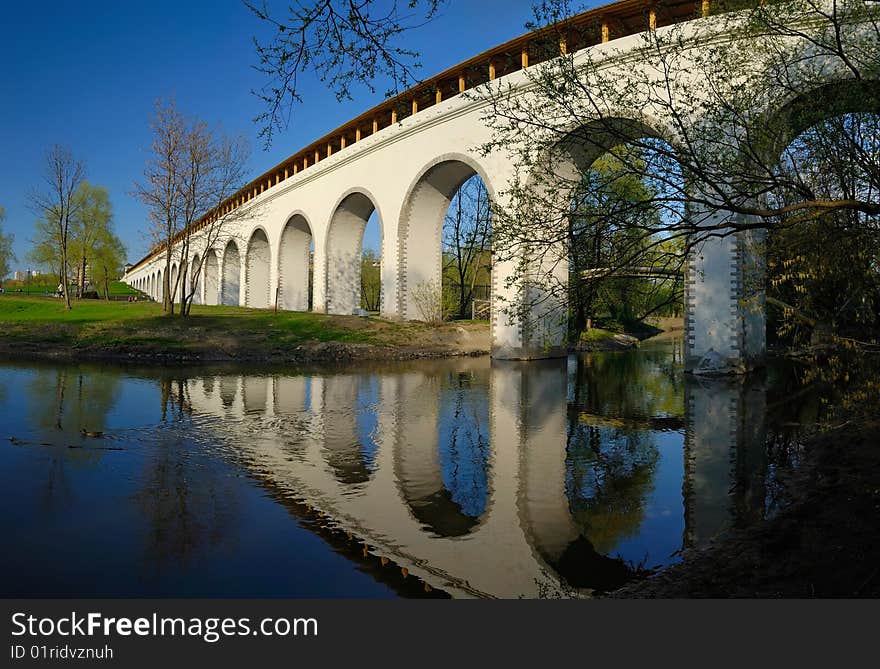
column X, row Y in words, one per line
column 72, row 399
column 187, row 501
column 610, row 467
column 609, row 475
column 464, row 443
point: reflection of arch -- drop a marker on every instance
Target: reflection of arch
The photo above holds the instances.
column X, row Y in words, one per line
column 255, row 394
column 293, row 264
column 257, row 266
column 228, row 390
column 212, row 278
column 195, row 280
column 431, row 467
column 342, row 446
column 230, row 289
column 421, row 225
column 344, row 247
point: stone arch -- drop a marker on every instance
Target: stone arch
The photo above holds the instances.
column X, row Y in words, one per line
column 421, row 225
column 212, row 278
column 798, row 112
column 230, row 287
column 343, row 248
column 258, row 262
column 195, row 280
column 294, row 250
column 173, row 289
column 159, row 287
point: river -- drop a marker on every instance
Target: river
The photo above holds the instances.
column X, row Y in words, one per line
column 460, row 477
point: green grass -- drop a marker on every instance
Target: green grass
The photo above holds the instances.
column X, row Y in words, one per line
column 98, row 325
column 117, row 288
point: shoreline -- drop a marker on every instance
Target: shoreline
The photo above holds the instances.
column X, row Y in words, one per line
column 823, row 543
column 317, row 352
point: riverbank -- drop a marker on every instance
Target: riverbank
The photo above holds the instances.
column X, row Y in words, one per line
column 824, row 542
column 40, row 328
column 599, row 339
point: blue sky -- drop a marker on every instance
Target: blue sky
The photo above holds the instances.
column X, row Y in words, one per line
column 87, row 74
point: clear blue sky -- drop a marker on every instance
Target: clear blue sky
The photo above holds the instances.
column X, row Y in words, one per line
column 87, row 74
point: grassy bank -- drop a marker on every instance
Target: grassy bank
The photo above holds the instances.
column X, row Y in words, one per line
column 40, row 326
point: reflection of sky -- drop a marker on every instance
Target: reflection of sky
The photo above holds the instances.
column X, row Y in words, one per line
column 662, row 529
column 464, row 446
column 161, row 515
column 367, row 412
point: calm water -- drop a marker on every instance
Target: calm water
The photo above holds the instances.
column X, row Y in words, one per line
column 462, row 478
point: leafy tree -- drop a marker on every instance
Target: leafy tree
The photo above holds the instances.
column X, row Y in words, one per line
column 108, row 259
column 90, row 223
column 44, row 251
column 6, row 253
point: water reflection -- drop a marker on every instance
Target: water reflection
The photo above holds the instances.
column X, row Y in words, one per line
column 462, row 477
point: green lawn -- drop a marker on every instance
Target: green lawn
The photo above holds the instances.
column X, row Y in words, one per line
column 99, row 325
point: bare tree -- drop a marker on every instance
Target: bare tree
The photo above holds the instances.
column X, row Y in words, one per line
column 343, row 42
column 467, row 241
column 705, row 111
column 57, row 204
column 191, row 171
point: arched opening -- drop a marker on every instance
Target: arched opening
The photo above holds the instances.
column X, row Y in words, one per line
column 195, row 280
column 173, row 288
column 257, row 270
column 152, row 286
column 626, row 254
column 345, row 239
column 295, row 265
column 823, row 263
column 159, row 287
column 231, row 286
column 212, row 278
column 445, row 234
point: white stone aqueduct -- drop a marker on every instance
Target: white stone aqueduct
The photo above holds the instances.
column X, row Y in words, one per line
column 407, row 172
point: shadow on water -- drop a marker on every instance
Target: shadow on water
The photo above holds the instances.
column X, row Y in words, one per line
column 461, row 477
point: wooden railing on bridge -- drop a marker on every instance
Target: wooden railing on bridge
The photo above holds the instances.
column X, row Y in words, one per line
column 602, row 24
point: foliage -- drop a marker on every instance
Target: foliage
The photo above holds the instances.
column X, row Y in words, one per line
column 725, row 96
column 90, row 223
column 824, row 274
column 343, row 42
column 428, row 297
column 467, row 246
column 6, row 253
column 371, row 281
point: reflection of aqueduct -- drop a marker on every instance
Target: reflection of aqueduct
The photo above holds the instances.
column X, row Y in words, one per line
column 373, row 453
column 404, row 160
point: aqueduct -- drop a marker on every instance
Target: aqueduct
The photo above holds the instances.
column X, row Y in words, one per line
column 403, row 161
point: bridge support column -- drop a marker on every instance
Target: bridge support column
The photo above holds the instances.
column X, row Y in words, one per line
column 724, row 304
column 529, row 316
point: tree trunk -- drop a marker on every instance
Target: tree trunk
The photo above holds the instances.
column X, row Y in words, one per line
column 64, row 289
